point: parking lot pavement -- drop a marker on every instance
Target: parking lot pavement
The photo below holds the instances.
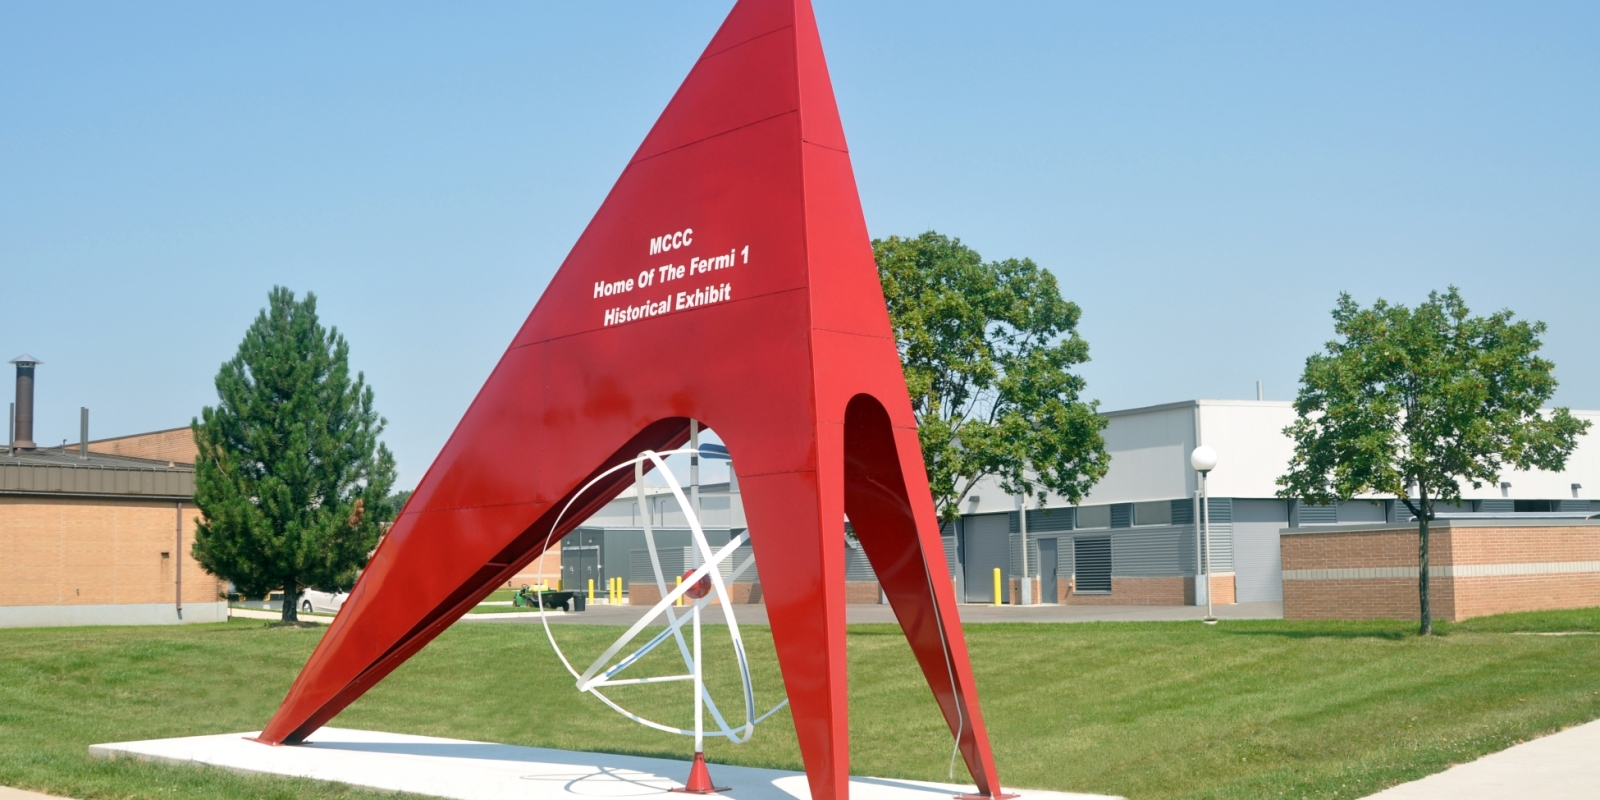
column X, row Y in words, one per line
column 858, row 614
column 235, row 612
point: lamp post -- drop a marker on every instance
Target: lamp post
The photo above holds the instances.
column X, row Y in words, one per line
column 1204, row 459
column 1022, row 524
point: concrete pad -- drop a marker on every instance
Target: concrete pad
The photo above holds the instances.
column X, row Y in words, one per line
column 466, row 770
column 1561, row 766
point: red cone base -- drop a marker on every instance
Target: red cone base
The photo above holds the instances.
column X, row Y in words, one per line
column 699, row 779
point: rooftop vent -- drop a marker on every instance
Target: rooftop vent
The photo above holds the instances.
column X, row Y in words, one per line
column 24, row 430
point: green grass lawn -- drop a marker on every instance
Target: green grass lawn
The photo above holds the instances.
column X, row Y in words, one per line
column 1146, row 710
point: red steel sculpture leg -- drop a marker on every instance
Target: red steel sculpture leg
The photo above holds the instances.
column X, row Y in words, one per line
column 727, row 278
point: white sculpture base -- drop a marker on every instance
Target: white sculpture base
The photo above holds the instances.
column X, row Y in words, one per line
column 465, row 770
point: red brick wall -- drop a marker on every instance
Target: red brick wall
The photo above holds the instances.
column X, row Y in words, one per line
column 1373, row 598
column 1127, row 592
column 176, row 445
column 83, row 551
column 1450, row 546
column 1222, row 589
column 1504, row 594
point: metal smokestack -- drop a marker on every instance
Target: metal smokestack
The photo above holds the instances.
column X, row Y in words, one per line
column 24, row 434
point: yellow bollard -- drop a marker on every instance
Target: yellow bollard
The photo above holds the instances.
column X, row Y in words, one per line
column 591, row 588
column 679, row 601
column 997, row 586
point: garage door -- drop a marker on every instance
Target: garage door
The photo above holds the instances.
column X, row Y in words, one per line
column 987, row 545
column 1257, row 562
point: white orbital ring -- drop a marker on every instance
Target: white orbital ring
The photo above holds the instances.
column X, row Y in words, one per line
column 593, row 678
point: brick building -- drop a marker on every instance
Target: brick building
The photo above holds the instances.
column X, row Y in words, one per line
column 98, row 533
column 89, row 538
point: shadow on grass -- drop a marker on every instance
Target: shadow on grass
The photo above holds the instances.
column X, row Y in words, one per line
column 1323, row 631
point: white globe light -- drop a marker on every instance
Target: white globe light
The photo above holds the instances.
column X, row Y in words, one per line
column 1203, row 459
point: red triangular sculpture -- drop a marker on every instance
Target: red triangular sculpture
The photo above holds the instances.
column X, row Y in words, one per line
column 759, row 314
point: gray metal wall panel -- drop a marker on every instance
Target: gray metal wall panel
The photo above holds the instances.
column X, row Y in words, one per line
column 1183, row 512
column 674, row 562
column 1258, row 564
column 950, row 537
column 987, row 545
column 1220, row 521
column 1045, row 520
column 1361, row 511
column 1148, row 552
column 1063, row 542
column 1041, row 522
column 1304, row 513
column 856, row 566
column 96, row 480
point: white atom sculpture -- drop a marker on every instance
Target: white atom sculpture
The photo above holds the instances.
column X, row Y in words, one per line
column 598, row 675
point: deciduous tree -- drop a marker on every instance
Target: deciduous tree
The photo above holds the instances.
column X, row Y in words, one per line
column 1412, row 402
column 988, row 349
column 291, row 478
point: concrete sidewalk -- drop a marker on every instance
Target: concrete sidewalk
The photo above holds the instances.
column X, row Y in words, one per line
column 19, row 794
column 1561, row 766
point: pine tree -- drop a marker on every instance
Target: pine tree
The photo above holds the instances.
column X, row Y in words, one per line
column 291, row 478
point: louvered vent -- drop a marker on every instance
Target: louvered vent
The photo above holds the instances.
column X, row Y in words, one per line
column 1318, row 515
column 1045, row 520
column 1092, row 565
column 1183, row 512
column 1121, row 515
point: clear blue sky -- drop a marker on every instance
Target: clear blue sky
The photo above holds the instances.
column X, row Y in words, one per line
column 424, row 167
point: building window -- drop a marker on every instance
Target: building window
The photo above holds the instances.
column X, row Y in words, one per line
column 1157, row 513
column 1533, row 506
column 1094, row 517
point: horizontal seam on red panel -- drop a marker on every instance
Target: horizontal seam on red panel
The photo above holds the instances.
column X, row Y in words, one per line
column 713, row 136
column 825, row 146
column 852, row 333
column 744, row 42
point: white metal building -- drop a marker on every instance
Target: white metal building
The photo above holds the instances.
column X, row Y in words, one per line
column 1144, row 504
column 1133, row 540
